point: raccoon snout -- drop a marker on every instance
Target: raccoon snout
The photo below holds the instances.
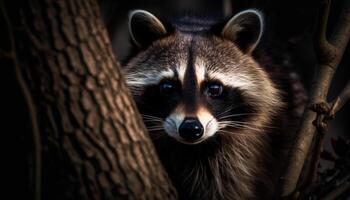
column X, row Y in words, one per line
column 191, row 129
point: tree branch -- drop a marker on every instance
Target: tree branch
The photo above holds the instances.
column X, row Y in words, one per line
column 341, row 100
column 329, row 54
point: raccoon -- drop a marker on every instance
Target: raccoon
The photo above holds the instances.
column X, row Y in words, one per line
column 209, row 106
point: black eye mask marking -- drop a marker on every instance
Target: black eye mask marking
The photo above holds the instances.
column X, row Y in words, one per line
column 230, row 105
column 160, row 99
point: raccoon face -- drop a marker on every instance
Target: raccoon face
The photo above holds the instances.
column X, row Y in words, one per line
column 196, row 83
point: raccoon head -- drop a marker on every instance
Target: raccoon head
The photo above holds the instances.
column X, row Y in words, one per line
column 199, row 82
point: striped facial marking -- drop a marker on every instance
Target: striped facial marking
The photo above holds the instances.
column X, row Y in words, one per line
column 189, row 101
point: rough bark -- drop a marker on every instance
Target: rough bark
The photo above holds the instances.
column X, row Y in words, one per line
column 90, row 142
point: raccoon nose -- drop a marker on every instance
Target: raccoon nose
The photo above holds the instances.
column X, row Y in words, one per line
column 191, row 129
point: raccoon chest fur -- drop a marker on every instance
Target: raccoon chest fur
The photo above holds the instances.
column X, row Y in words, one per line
column 208, row 104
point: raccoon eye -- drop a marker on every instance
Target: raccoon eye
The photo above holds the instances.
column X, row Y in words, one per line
column 167, row 87
column 214, row 89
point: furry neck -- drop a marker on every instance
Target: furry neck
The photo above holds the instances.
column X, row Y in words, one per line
column 224, row 167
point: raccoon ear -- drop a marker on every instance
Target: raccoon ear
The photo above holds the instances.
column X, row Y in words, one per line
column 244, row 29
column 144, row 28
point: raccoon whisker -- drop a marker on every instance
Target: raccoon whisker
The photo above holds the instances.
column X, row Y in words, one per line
column 152, row 120
column 227, row 122
column 228, row 132
column 243, row 126
column 247, row 123
column 235, row 115
column 155, row 129
column 228, row 109
column 149, row 119
column 223, row 131
column 150, row 116
column 237, row 123
column 221, row 126
column 235, row 133
column 264, row 126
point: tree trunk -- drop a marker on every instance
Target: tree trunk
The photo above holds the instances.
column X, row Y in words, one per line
column 90, row 142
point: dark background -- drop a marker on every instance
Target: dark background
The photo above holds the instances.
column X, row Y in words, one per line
column 289, row 25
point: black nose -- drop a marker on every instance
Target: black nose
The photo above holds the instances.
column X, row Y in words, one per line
column 191, row 129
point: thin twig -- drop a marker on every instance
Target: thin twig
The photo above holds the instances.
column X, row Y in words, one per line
column 341, row 100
